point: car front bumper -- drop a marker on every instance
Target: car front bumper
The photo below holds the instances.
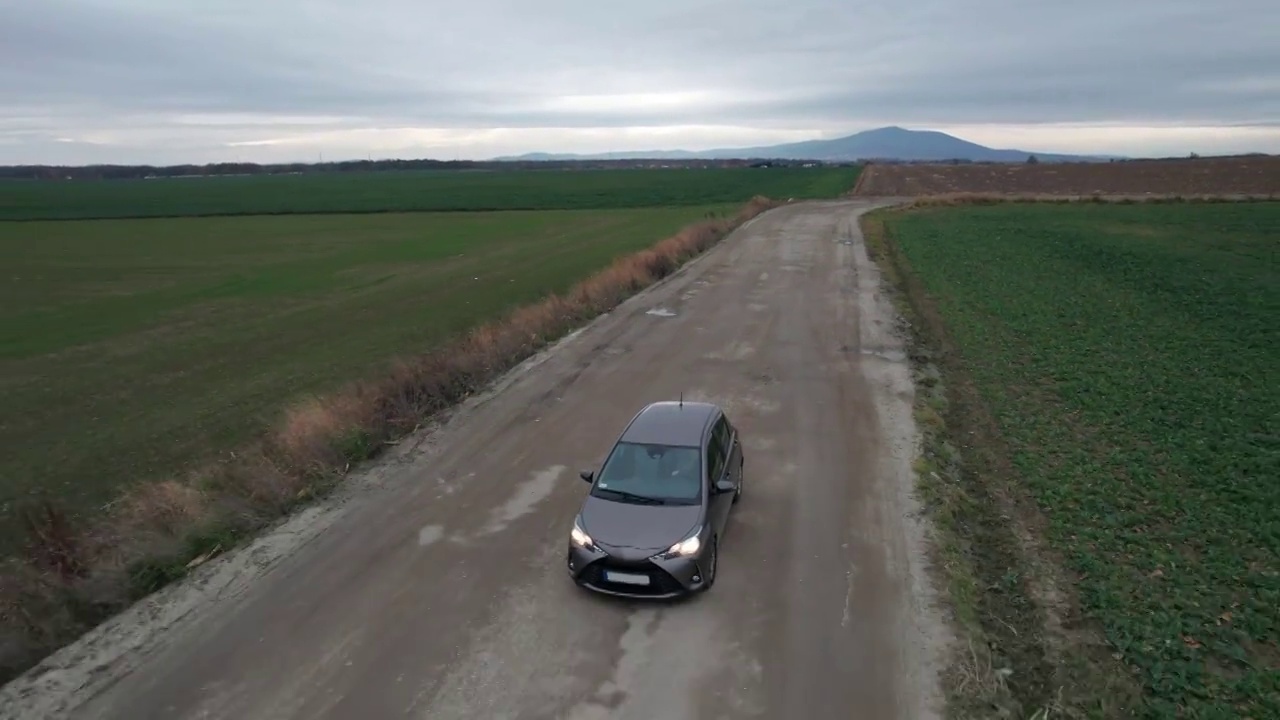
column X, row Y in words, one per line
column 625, row 572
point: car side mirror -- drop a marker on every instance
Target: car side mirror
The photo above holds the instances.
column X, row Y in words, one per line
column 587, row 475
column 724, row 486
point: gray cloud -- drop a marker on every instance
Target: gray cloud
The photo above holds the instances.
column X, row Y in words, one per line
column 119, row 78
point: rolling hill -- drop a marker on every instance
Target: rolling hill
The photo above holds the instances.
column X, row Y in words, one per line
column 887, row 143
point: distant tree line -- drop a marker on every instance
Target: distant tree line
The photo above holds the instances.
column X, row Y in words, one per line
column 127, row 172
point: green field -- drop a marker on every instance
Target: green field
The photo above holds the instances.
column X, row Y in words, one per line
column 1130, row 355
column 444, row 190
column 130, row 347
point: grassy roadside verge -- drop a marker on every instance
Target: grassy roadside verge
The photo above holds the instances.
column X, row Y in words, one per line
column 1101, row 364
column 74, row 577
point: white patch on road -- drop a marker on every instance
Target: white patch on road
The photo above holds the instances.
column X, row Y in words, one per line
column 527, row 496
column 661, row 312
column 735, row 351
column 757, row 307
column 764, row 276
column 850, row 574
column 737, row 404
column 448, row 486
column 635, row 644
column 515, row 665
column 890, row 355
column 662, row 668
column 757, row 405
column 429, row 535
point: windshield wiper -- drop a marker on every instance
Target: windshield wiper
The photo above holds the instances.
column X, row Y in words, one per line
column 633, row 497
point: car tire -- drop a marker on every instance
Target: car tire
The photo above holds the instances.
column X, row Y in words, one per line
column 714, row 568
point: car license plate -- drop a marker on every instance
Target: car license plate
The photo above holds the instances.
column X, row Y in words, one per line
column 626, row 578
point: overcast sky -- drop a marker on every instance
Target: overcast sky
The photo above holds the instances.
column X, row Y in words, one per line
column 165, row 81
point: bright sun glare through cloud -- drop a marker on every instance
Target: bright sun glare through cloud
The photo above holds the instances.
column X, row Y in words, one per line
column 148, row 81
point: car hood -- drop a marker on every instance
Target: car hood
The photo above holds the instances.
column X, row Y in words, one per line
column 642, row 527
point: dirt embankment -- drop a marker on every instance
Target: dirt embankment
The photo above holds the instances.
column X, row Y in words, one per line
column 1224, row 176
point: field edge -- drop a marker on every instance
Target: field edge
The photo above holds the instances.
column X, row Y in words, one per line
column 1010, row 601
column 76, row 579
column 1229, row 177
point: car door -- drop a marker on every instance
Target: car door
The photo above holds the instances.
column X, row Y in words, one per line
column 734, row 454
column 718, row 469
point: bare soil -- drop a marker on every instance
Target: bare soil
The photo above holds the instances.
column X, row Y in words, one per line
column 1242, row 175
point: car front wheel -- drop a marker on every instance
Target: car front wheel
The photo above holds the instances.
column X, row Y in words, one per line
column 713, row 564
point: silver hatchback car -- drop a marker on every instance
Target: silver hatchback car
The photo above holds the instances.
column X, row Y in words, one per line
column 651, row 524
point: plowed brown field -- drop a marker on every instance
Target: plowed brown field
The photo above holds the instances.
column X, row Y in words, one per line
column 1247, row 175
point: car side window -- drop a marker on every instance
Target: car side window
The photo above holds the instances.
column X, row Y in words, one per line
column 716, row 451
column 726, row 434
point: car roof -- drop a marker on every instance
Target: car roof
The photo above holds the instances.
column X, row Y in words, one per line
column 671, row 423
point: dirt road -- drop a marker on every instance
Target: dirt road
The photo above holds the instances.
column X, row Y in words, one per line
column 435, row 586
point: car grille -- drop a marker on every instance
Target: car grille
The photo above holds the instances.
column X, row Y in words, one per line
column 660, row 581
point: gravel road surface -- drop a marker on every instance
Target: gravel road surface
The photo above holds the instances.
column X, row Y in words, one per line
column 434, row 585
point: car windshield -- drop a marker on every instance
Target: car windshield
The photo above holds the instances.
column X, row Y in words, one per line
column 641, row 473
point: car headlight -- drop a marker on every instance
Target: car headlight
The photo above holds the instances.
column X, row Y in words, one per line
column 689, row 546
column 580, row 537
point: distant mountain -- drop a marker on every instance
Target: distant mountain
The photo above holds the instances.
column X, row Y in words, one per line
column 887, row 143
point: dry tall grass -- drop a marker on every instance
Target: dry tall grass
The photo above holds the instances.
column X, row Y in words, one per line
column 72, row 578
